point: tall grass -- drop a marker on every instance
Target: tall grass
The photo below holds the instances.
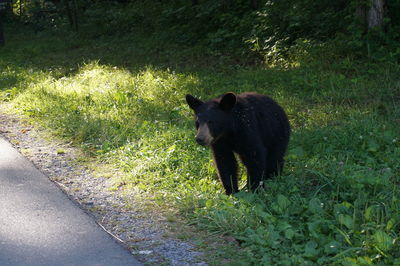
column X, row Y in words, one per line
column 337, row 201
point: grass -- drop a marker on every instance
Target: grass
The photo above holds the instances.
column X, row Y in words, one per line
column 122, row 102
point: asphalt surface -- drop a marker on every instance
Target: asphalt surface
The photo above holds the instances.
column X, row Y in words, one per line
column 39, row 225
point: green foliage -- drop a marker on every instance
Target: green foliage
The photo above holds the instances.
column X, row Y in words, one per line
column 232, row 28
column 114, row 18
column 41, row 13
column 220, row 24
column 280, row 23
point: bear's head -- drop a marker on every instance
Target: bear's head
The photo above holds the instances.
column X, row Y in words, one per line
column 213, row 118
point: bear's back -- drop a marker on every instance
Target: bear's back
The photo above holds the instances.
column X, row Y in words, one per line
column 263, row 116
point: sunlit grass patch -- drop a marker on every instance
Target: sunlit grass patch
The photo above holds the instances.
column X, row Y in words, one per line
column 102, row 105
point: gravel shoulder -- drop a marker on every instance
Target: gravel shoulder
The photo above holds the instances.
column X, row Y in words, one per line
column 144, row 231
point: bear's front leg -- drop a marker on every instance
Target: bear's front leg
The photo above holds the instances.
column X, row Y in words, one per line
column 227, row 167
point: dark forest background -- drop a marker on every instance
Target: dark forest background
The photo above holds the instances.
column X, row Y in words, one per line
column 253, row 30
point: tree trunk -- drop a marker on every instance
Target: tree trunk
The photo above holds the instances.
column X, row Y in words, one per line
column 361, row 14
column 71, row 14
column 254, row 4
column 226, row 4
column 375, row 14
column 1, row 30
column 75, row 15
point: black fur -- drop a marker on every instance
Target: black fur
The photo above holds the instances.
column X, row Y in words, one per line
column 252, row 125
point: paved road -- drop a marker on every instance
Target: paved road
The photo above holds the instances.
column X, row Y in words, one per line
column 39, row 225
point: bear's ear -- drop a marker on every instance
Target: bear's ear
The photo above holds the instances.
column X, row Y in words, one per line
column 228, row 101
column 193, row 102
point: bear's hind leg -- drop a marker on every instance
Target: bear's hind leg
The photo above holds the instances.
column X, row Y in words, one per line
column 274, row 162
column 256, row 169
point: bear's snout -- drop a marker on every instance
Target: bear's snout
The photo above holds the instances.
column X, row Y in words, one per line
column 204, row 136
column 201, row 141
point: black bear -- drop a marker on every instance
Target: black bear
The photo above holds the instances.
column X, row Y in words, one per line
column 252, row 125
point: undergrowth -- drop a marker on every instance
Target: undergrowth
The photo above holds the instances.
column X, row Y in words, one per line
column 338, row 200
